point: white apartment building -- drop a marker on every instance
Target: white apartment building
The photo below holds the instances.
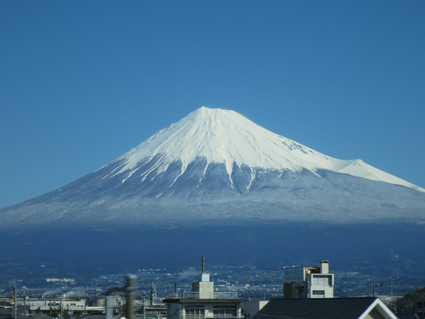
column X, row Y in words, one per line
column 309, row 282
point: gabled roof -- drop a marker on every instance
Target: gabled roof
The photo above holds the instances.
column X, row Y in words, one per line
column 329, row 308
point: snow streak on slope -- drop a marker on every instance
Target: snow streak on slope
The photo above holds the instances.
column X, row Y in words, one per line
column 226, row 137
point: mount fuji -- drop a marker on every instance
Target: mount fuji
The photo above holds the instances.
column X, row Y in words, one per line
column 216, row 167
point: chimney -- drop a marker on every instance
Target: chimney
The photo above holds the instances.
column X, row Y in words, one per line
column 203, row 264
column 204, row 276
column 324, row 266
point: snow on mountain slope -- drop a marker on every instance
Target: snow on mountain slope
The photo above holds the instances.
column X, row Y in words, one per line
column 225, row 137
column 362, row 169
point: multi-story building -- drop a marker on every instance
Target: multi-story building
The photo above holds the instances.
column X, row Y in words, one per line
column 309, row 282
column 204, row 303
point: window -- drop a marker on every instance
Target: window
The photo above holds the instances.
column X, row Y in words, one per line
column 318, row 292
column 322, row 280
column 224, row 311
column 195, row 312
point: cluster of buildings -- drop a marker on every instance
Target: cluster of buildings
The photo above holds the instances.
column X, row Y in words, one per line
column 308, row 292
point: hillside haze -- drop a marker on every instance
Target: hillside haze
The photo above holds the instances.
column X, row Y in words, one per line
column 216, row 167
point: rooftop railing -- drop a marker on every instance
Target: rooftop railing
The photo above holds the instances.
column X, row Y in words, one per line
column 212, row 295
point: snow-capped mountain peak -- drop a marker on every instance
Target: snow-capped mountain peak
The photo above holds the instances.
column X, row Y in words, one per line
column 226, row 137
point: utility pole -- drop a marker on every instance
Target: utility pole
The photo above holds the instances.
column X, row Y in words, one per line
column 25, row 302
column 144, row 307
column 15, row 304
column 175, row 295
column 50, row 306
column 153, row 294
column 373, row 286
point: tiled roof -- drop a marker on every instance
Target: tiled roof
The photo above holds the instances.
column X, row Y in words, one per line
column 331, row 308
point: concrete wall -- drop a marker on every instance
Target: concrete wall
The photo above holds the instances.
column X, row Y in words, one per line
column 250, row 308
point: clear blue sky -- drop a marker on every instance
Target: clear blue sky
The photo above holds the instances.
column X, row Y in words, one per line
column 81, row 82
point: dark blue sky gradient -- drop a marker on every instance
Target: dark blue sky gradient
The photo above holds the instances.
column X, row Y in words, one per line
column 84, row 81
